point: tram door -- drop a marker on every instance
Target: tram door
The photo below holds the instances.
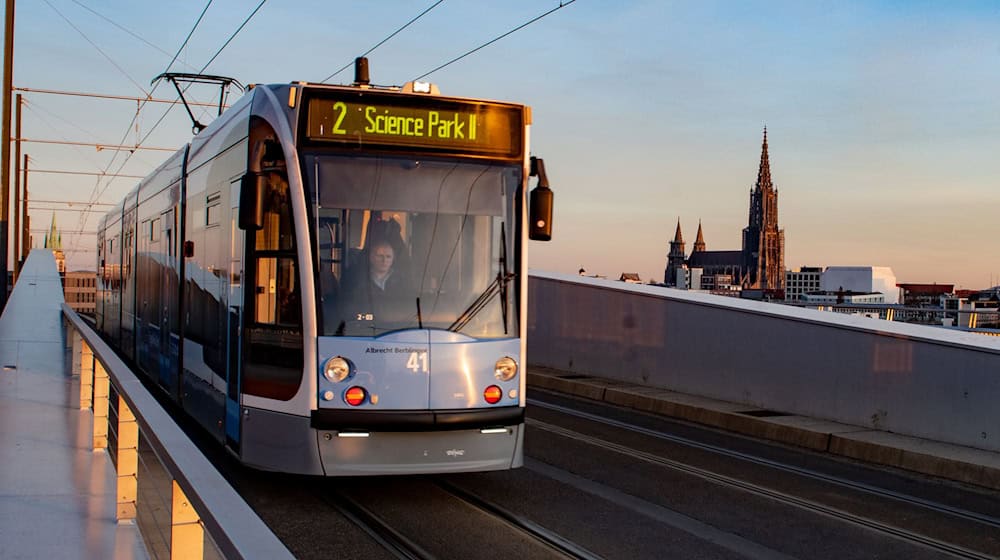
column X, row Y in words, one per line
column 235, row 314
column 170, row 307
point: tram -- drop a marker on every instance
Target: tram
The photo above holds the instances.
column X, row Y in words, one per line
column 332, row 279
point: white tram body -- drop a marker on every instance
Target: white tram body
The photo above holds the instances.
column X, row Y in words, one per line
column 241, row 277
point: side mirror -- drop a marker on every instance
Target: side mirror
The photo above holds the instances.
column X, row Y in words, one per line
column 252, row 201
column 540, row 205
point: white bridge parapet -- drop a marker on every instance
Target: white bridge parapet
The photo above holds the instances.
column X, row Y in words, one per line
column 916, row 380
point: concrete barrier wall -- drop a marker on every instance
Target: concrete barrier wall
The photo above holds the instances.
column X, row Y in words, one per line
column 909, row 379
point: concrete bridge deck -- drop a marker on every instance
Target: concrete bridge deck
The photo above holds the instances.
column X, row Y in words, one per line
column 57, row 496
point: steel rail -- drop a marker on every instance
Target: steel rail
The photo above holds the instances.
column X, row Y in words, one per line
column 778, row 496
column 808, row 473
column 546, row 537
column 375, row 527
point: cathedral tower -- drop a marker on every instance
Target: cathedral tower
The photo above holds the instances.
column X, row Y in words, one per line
column 699, row 242
column 675, row 258
column 763, row 242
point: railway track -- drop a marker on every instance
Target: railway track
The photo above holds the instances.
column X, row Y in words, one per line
column 377, row 528
column 520, row 523
column 869, row 523
column 576, row 489
column 397, row 543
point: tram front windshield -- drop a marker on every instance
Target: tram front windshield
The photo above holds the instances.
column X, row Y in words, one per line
column 407, row 243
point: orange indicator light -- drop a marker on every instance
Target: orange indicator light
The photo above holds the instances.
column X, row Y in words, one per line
column 492, row 394
column 355, row 396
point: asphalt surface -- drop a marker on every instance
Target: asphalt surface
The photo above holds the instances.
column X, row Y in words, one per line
column 668, row 490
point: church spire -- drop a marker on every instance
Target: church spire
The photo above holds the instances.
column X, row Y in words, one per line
column 699, row 242
column 675, row 258
column 764, row 173
column 763, row 240
column 53, row 240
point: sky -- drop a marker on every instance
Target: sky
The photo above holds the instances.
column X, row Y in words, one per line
column 883, row 118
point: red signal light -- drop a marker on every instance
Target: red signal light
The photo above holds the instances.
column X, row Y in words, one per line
column 493, row 394
column 355, row 396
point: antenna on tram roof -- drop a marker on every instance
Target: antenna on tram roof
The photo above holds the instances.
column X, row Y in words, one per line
column 222, row 81
column 361, row 71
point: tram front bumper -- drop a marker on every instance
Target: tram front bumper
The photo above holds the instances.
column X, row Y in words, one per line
column 358, row 452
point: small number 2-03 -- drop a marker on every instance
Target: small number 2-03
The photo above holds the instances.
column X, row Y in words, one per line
column 417, row 362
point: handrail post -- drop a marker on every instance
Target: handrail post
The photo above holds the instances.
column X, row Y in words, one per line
column 70, row 350
column 101, row 391
column 84, row 362
column 187, row 537
column 128, row 461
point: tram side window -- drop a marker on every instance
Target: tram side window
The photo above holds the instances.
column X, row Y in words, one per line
column 274, row 346
column 278, row 300
column 277, row 233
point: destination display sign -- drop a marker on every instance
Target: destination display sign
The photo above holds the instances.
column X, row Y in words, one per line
column 442, row 125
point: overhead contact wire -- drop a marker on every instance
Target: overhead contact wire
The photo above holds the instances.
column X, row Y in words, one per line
column 383, row 41
column 165, row 113
column 488, row 43
column 93, row 44
column 96, row 193
column 129, row 31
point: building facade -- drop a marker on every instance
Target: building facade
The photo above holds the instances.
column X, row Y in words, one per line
column 924, row 295
column 80, row 289
column 861, row 279
column 687, row 278
column 760, row 264
column 802, row 281
column 843, row 297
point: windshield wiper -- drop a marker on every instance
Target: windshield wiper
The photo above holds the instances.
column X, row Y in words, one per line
column 499, row 285
column 506, row 276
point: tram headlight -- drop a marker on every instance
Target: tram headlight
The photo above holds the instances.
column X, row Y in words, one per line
column 506, row 369
column 337, row 369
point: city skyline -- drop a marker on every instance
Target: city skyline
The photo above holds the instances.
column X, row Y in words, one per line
column 883, row 117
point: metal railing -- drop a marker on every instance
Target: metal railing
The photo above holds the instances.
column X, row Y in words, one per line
column 978, row 320
column 201, row 502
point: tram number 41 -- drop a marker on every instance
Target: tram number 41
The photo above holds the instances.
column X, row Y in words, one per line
column 417, row 362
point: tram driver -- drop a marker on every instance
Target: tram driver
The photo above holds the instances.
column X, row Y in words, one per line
column 383, row 280
column 374, row 292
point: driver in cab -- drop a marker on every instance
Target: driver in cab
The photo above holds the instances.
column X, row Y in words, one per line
column 380, row 260
column 377, row 288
